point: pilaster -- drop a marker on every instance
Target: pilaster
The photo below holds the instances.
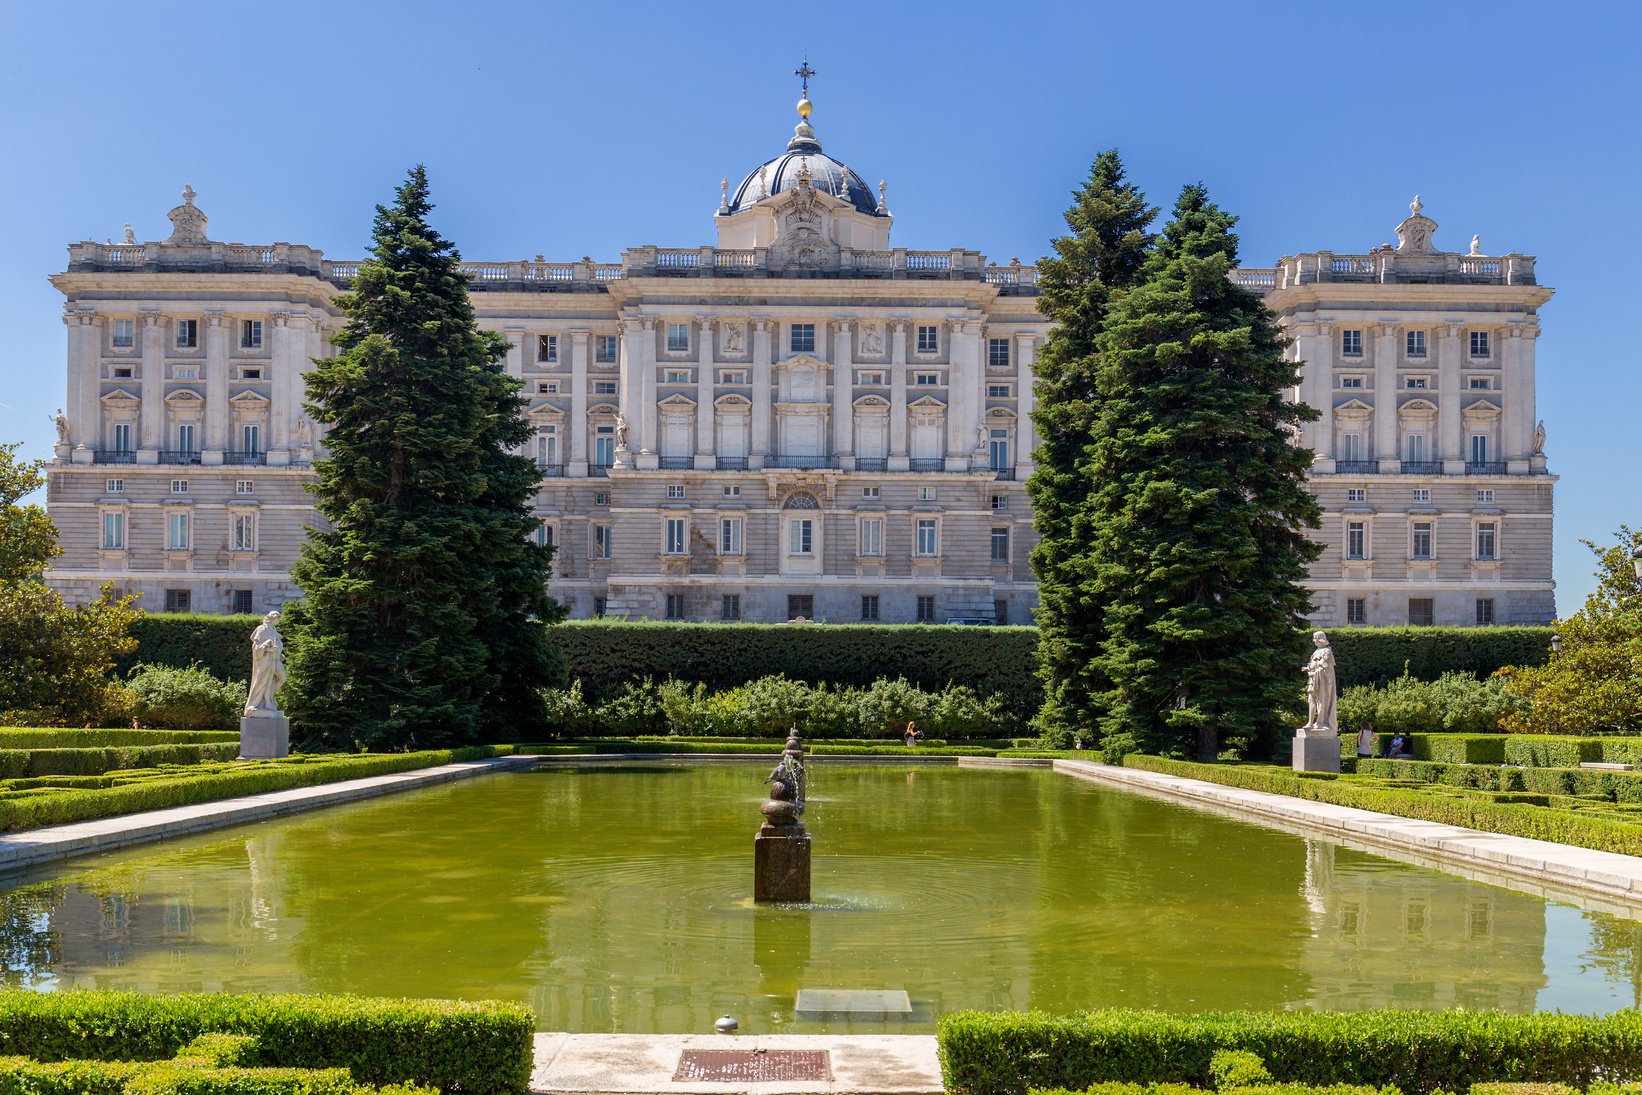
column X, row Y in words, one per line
column 843, row 387
column 282, row 388
column 961, row 391
column 647, row 399
column 1385, row 398
column 578, row 403
column 898, row 459
column 514, row 363
column 1450, row 443
column 85, row 426
column 705, row 353
column 763, row 400
column 1026, row 357
column 152, row 416
column 216, row 389
column 1517, row 424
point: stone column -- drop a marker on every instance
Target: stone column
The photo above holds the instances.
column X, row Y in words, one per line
column 961, row 417
column 85, row 382
column 645, row 443
column 1528, row 337
column 1385, row 398
column 152, row 420
column 636, row 350
column 577, row 441
column 1026, row 356
column 286, row 351
column 898, row 460
column 843, row 388
column 1450, row 445
column 1311, row 348
column 706, row 353
column 763, row 399
column 1517, row 397
column 216, row 389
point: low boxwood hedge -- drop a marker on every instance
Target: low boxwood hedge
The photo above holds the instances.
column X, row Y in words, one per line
column 31, row 737
column 482, row 1048
column 1008, row 1053
column 616, row 746
column 1524, row 750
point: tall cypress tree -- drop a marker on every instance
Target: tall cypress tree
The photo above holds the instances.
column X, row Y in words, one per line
column 421, row 623
column 1104, row 251
column 1200, row 508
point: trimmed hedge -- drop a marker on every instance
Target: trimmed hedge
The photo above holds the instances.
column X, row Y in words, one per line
column 1523, row 751
column 39, row 808
column 1008, row 1053
column 480, row 1048
column 28, row 737
column 738, row 748
column 1560, row 826
column 1582, row 782
column 1375, row 655
column 20, row 763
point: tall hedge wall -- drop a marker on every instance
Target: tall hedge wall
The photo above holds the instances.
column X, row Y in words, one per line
column 606, row 653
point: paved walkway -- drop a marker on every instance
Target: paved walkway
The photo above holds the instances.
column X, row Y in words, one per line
column 36, row 846
column 1579, row 870
column 623, row 1064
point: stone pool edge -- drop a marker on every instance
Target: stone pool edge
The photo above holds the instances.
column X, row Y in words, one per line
column 35, row 847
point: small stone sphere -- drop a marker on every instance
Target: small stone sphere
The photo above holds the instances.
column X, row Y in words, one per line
column 780, row 811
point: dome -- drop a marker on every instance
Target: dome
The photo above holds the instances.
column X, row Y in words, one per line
column 826, row 175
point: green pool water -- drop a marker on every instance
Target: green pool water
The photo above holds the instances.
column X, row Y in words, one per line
column 619, row 899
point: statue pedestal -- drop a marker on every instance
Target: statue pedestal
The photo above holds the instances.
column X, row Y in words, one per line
column 1316, row 749
column 781, row 864
column 264, row 735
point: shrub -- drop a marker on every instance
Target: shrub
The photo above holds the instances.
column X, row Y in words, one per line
column 961, row 712
column 1453, row 703
column 567, row 713
column 888, row 705
column 185, row 699
column 636, row 709
column 1237, row 1068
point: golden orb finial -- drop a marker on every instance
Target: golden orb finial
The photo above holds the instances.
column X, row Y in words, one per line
column 804, row 108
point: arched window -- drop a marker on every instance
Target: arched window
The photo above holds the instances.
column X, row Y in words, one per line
column 801, row 499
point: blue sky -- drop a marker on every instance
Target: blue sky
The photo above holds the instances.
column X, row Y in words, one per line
column 581, row 129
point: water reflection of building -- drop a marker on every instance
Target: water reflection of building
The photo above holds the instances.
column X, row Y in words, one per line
column 1463, row 944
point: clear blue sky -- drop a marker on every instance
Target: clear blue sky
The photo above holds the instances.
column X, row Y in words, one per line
column 581, row 129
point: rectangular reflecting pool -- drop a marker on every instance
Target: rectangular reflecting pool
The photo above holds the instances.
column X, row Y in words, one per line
column 618, row 898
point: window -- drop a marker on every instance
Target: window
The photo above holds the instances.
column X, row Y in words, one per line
column 1356, row 539
column 188, row 334
column 125, row 333
column 870, row 379
column 1487, row 532
column 178, row 600
column 1351, row 447
column 997, row 450
column 1421, row 540
column 675, row 606
column 114, row 531
column 873, row 493
column 678, row 338
column 1414, row 343
column 800, row 604
column 803, row 338
column 547, row 347
column 185, row 439
column 601, row 543
column 729, row 606
column 186, row 372
column 926, row 494
column 675, row 490
column 997, row 353
column 926, row 608
column 244, row 532
column 729, row 536
column 122, row 373
column 547, row 387
column 732, row 492
column 927, row 542
column 250, row 439
column 869, row 606
column 250, row 374
column 1481, row 384
column 1485, row 612
column 176, row 532
column 250, row 334
column 601, row 498
column 604, row 348
column 801, row 536
column 242, row 605
column 1000, row 501
column 1415, row 383
column 997, row 391
column 604, row 446
column 179, row 486
column 1000, row 545
column 926, row 379
column 1357, row 611
column 1420, row 613
column 1351, row 382
column 732, row 376
column 598, row 606
column 1351, row 343
column 1356, row 496
column 1422, row 495
column 673, row 541
column 122, row 437
column 928, row 341
column 1486, row 497
column 1479, row 448
column 1415, row 444
column 1000, row 612
column 604, row 387
column 872, row 537
column 544, row 535
column 114, row 486
column 676, row 376
column 1479, row 343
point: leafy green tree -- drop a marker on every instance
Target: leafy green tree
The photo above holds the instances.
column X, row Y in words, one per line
column 1104, row 251
column 1593, row 684
column 1200, row 507
column 54, row 660
column 424, row 601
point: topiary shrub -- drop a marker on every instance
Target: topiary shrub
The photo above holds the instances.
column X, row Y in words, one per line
column 1230, row 1068
column 185, row 699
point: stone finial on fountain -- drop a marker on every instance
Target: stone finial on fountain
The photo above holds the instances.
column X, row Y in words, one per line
column 781, row 850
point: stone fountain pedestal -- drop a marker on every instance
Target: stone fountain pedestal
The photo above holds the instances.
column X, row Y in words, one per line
column 1316, row 749
column 781, row 850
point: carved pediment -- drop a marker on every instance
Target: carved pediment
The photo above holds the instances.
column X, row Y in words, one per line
column 872, row 403
column 184, row 395
column 732, row 402
column 1419, row 405
column 1482, row 408
column 678, row 404
column 545, row 409
column 1353, row 406
column 604, row 409
column 119, row 396
column 249, row 398
column 927, row 405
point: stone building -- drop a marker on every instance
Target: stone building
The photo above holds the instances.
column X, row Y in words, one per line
column 801, row 420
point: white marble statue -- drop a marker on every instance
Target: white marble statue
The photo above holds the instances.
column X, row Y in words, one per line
column 1539, row 438
column 1321, row 690
column 621, row 431
column 60, row 420
column 267, row 667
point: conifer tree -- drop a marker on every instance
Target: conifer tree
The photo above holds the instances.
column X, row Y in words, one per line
column 424, row 601
column 1104, row 250
column 1200, row 506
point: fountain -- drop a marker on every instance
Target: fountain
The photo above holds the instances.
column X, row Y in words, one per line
column 781, row 850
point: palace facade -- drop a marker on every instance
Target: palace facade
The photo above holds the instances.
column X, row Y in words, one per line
column 800, row 421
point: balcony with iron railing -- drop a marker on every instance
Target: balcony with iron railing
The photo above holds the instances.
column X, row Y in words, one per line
column 1357, row 467
column 1003, row 474
column 247, row 457
column 598, row 471
column 1485, row 467
column 549, row 469
column 1422, row 467
column 113, row 456
column 730, row 463
column 799, row 463
column 926, row 464
column 179, row 456
column 676, row 463
column 871, row 463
